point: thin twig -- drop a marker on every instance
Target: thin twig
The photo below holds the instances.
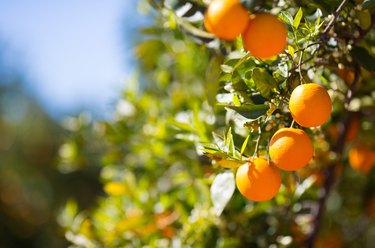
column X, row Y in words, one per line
column 300, row 67
column 256, row 150
column 292, row 124
column 322, row 37
column 309, row 45
column 335, row 16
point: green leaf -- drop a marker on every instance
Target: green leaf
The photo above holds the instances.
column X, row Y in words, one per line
column 244, row 144
column 222, row 190
column 229, row 163
column 236, row 100
column 364, row 58
column 222, row 158
column 291, row 50
column 304, row 186
column 149, row 51
column 199, row 125
column 66, row 217
column 297, row 18
column 226, row 68
column 368, row 4
column 212, row 76
column 227, row 242
column 228, row 140
column 182, row 125
column 240, row 86
column 286, row 17
column 250, row 111
column 210, row 148
column 264, row 82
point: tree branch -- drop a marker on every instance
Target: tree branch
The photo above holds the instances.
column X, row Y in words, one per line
column 335, row 16
column 323, row 36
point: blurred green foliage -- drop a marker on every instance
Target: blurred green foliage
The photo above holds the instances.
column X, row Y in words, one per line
column 192, row 115
column 32, row 188
column 28, row 146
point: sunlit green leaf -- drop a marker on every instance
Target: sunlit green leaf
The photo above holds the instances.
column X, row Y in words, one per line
column 236, row 100
column 291, row 50
column 182, row 126
column 244, row 144
column 286, row 17
column 297, row 18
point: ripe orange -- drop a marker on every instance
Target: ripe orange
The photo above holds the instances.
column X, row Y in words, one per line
column 290, row 149
column 354, row 127
column 361, row 158
column 226, row 19
column 310, row 105
column 258, row 180
column 265, row 36
column 347, row 75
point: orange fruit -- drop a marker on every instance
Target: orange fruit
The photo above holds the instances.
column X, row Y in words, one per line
column 354, row 126
column 265, row 35
column 310, row 105
column 258, row 180
column 347, row 75
column 361, row 158
column 290, row 149
column 353, row 129
column 226, row 19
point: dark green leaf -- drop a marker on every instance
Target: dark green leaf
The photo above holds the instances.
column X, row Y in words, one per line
column 240, row 86
column 264, row 82
column 364, row 58
column 258, row 99
column 250, row 111
column 368, row 4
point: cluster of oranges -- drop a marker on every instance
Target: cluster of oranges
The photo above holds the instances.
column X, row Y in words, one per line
column 263, row 34
column 290, row 149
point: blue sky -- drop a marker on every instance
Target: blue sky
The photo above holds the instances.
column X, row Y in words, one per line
column 73, row 51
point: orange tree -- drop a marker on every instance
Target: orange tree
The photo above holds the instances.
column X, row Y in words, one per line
column 267, row 107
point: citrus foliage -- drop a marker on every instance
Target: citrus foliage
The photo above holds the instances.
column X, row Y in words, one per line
column 203, row 107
